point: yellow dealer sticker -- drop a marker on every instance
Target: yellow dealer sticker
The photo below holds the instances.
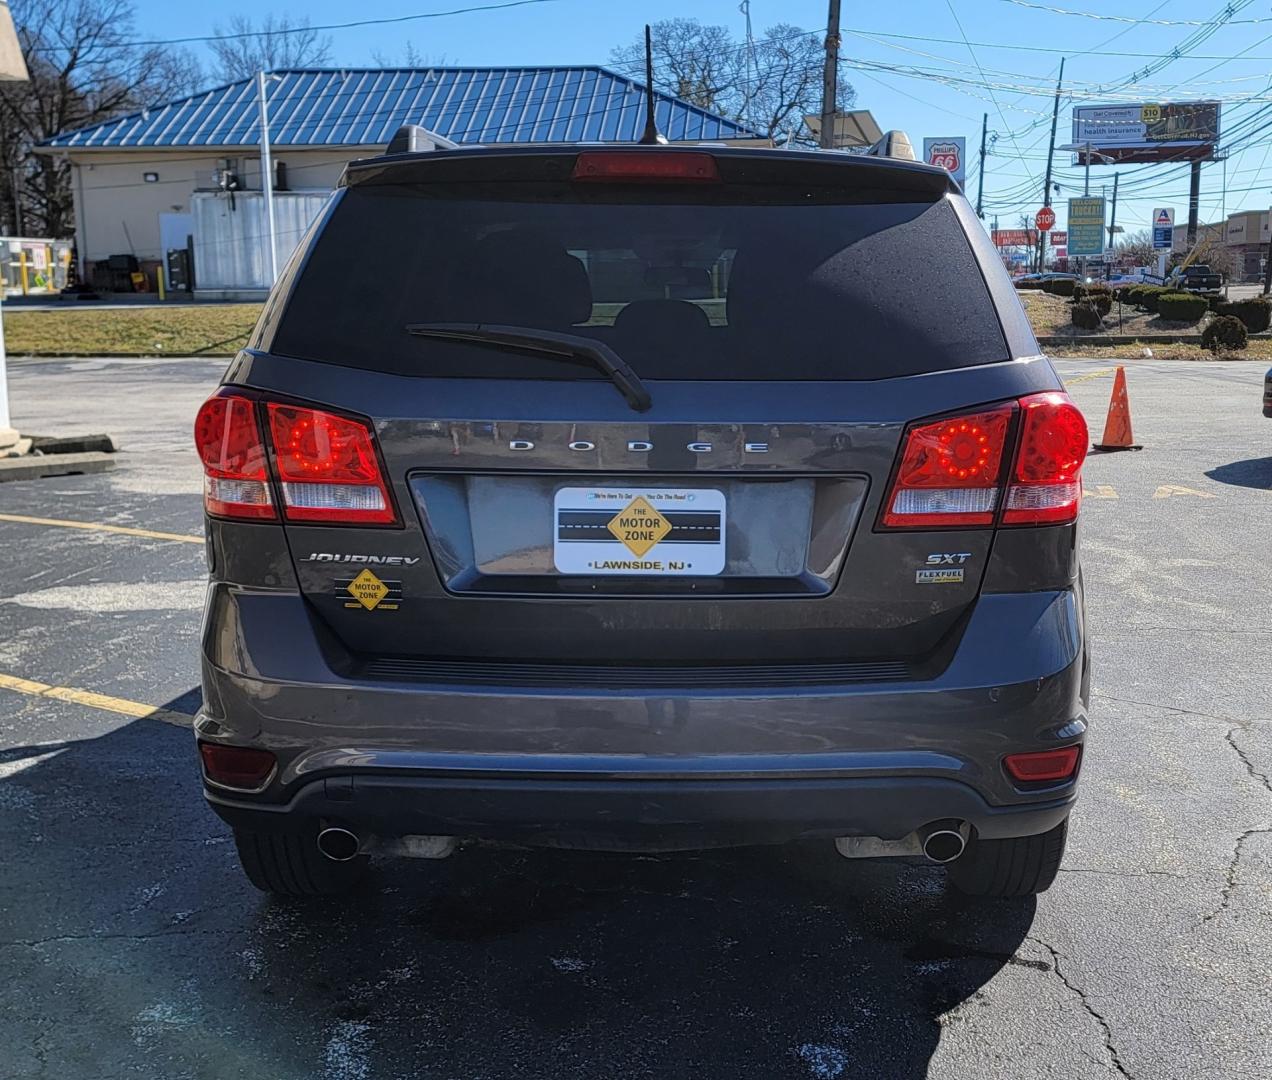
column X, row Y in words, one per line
column 368, row 590
column 639, row 527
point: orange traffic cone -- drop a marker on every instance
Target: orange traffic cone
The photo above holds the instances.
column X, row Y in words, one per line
column 1117, row 428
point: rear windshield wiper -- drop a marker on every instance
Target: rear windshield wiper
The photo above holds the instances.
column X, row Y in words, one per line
column 528, row 339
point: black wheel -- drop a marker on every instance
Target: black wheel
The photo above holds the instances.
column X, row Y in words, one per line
column 1021, row 866
column 290, row 864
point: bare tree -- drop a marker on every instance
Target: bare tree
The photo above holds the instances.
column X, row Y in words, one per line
column 693, row 61
column 769, row 85
column 410, row 57
column 242, row 49
column 1136, row 247
column 84, row 69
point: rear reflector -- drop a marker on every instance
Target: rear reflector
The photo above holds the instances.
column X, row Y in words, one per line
column 949, row 472
column 236, row 766
column 1046, row 485
column 1043, row 765
column 646, row 166
column 228, row 439
column 328, row 467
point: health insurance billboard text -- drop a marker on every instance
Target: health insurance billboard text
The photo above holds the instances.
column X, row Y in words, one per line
column 1175, row 131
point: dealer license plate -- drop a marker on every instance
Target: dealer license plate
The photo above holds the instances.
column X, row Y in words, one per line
column 638, row 530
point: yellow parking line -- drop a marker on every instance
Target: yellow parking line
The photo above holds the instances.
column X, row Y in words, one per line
column 149, row 534
column 135, row 709
column 1089, row 375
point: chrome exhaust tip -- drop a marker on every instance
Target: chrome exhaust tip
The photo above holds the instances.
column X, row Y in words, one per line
column 339, row 845
column 944, row 845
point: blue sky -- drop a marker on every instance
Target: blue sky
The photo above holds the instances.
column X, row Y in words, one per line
column 1009, row 71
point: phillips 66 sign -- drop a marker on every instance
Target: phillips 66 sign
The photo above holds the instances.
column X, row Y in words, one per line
column 950, row 154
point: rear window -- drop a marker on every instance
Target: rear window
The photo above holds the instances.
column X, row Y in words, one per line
column 726, row 283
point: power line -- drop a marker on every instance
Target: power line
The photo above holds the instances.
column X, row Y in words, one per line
column 311, row 29
column 1125, row 18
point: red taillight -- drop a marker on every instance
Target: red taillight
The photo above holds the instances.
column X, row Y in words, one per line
column 328, row 467
column 950, row 470
column 236, row 766
column 1046, row 483
column 1041, row 765
column 228, row 439
column 646, row 166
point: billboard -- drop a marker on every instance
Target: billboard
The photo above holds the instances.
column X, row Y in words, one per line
column 1014, row 237
column 1086, row 225
column 949, row 153
column 1174, row 131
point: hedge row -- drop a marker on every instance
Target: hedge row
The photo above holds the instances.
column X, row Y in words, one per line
column 1182, row 307
column 1255, row 314
column 1224, row 332
column 1085, row 315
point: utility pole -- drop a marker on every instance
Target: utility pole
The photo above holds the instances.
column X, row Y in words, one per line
column 830, row 77
column 1194, row 199
column 1113, row 214
column 980, row 187
column 1051, row 149
column 267, row 180
column 1267, row 268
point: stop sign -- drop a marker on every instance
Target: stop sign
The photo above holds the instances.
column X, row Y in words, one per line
column 1044, row 219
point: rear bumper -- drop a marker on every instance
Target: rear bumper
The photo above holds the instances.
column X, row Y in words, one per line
column 641, row 814
column 705, row 765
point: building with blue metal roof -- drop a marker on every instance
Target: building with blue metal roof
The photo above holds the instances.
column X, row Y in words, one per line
column 141, row 180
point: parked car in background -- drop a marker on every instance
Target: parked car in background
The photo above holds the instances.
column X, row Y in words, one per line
column 1195, row 278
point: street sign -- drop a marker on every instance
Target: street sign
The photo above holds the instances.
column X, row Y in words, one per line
column 1045, row 218
column 1059, row 238
column 1163, row 227
column 1110, row 256
column 1086, row 225
column 949, row 153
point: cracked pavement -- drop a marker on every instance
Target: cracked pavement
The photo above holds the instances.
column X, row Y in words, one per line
column 132, row 945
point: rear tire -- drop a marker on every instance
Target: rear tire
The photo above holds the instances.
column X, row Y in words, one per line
column 1019, row 866
column 290, row 864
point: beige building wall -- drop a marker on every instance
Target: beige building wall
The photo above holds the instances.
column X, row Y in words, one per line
column 117, row 209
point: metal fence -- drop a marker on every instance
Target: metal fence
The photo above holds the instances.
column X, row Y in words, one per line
column 230, row 233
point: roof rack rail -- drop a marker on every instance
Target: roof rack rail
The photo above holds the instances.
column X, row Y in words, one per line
column 413, row 139
column 894, row 144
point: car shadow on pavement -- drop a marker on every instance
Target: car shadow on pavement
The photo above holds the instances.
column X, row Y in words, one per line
column 1251, row 473
column 134, row 945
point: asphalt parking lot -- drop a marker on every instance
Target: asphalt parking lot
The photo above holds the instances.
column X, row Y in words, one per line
column 132, row 946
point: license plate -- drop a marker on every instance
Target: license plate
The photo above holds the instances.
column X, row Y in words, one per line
column 636, row 530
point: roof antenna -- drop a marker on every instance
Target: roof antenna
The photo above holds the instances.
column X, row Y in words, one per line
column 652, row 136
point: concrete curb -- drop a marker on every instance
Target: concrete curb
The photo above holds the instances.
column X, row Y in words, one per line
column 35, row 466
column 1121, row 339
column 99, row 355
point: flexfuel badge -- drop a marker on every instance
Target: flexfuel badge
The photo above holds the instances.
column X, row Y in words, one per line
column 369, row 592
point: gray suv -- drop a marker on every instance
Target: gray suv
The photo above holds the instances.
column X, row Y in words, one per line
column 643, row 498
